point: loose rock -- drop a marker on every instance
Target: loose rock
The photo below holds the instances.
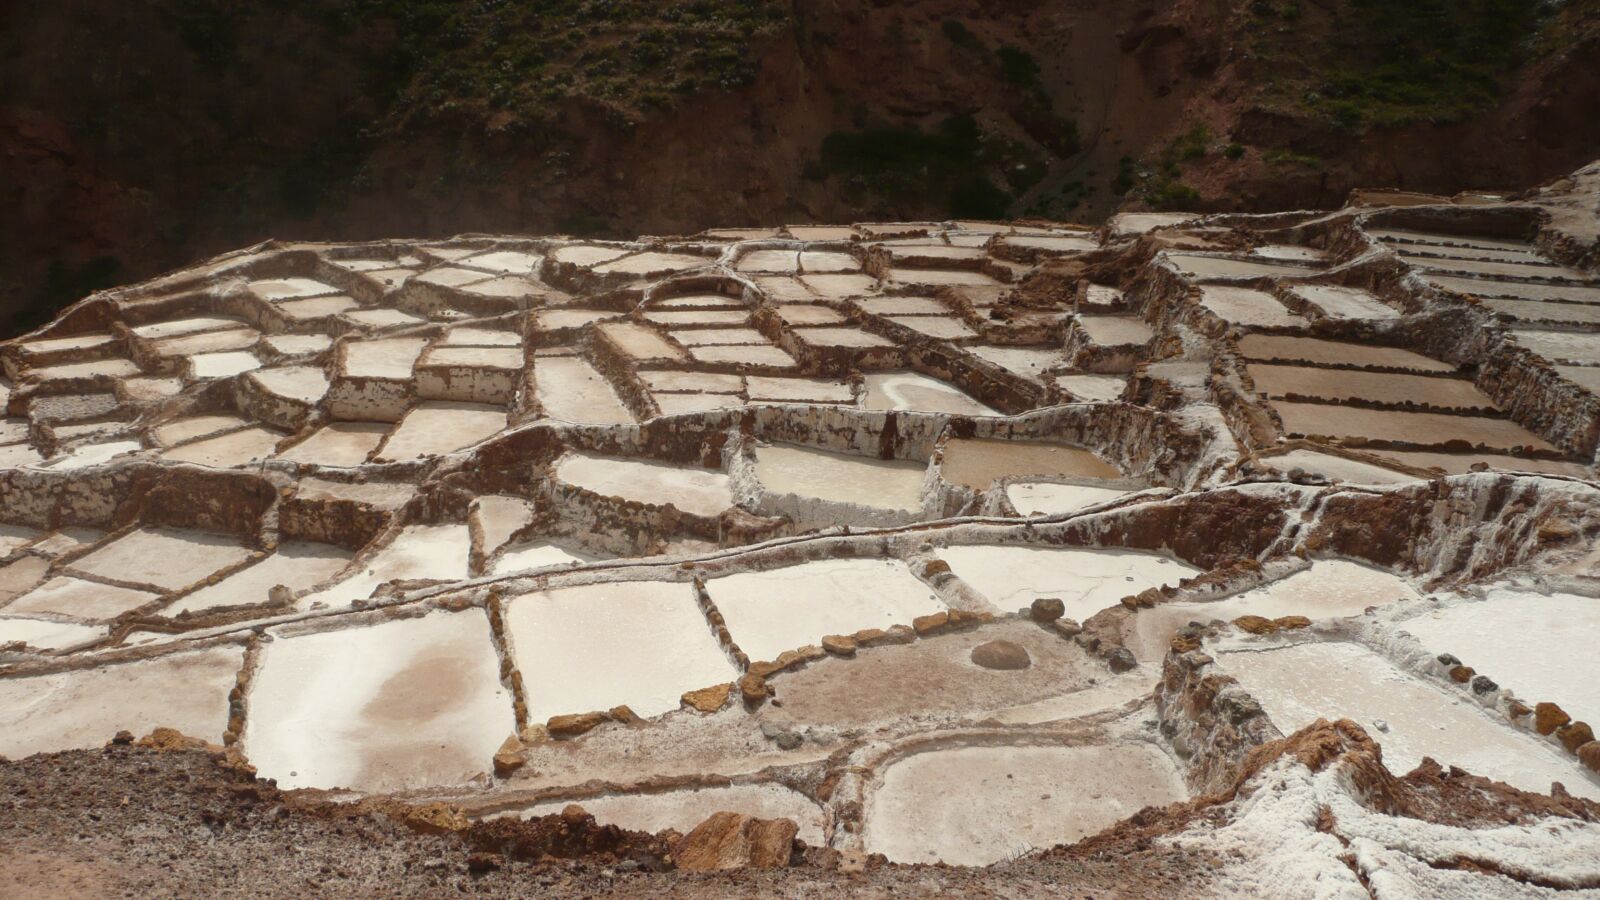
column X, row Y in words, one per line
column 1047, row 609
column 731, row 840
column 570, row 726
column 708, row 700
column 1547, row 717
column 839, row 645
column 1003, row 655
column 1122, row 660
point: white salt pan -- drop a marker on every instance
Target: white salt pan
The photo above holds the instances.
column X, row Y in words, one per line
column 1086, row 580
column 973, row 806
column 1509, row 637
column 406, row 704
column 697, row 491
column 596, row 646
column 782, row 609
column 1299, row 684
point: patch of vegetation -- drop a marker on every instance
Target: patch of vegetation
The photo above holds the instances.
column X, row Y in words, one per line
column 1062, row 203
column 322, row 170
column 1173, row 195
column 1017, row 66
column 946, row 170
column 1127, row 176
column 1190, row 145
column 1160, row 182
column 1285, row 157
column 956, row 32
column 1574, row 21
column 499, row 56
column 976, row 197
column 586, row 225
column 209, row 30
column 1035, row 108
column 65, row 282
column 1234, row 150
column 1386, row 63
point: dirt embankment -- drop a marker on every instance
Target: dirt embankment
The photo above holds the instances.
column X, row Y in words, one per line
column 133, row 821
column 158, row 818
column 137, row 137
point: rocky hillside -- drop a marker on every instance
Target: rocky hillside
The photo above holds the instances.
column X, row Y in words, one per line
column 138, row 135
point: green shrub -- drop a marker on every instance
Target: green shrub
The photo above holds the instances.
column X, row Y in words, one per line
column 956, row 32
column 905, row 167
column 1284, row 157
column 1173, row 195
column 977, row 197
column 1190, row 145
column 1385, row 63
column 1126, row 176
column 1017, row 67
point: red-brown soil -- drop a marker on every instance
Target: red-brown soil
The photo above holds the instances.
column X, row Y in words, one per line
column 128, row 148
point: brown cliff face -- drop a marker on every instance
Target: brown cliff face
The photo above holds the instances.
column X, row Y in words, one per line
column 140, row 136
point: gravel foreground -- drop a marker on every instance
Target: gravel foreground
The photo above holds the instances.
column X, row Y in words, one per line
column 128, row 821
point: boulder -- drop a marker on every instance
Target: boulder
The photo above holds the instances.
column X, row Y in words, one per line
column 163, row 738
column 731, row 840
column 710, row 699
column 932, row 623
column 1589, row 755
column 1122, row 660
column 753, row 690
column 1003, row 655
column 1547, row 717
column 1555, row 531
column 1575, row 735
column 510, row 757
column 435, row 818
column 1256, row 624
column 879, row 637
column 784, row 738
column 1046, row 610
column 1067, row 628
column 839, row 645
column 570, row 726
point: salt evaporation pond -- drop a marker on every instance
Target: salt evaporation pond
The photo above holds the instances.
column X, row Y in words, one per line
column 782, row 609
column 972, row 806
column 1086, row 580
column 402, row 704
column 1410, row 718
column 1510, row 635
